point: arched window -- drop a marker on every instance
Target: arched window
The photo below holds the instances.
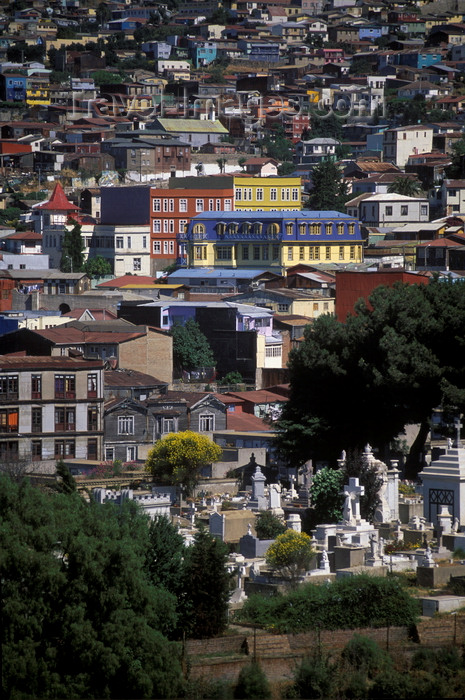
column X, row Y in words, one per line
column 232, row 228
column 340, row 229
column 289, row 228
column 315, row 229
column 302, row 229
column 273, row 230
column 199, row 231
column 257, row 228
column 351, row 229
column 220, row 229
column 328, row 229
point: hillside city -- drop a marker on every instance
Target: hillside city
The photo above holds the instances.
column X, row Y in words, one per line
column 232, row 318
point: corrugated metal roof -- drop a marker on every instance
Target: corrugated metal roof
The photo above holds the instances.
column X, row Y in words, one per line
column 198, row 126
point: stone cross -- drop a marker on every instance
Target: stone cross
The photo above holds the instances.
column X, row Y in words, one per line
column 352, row 492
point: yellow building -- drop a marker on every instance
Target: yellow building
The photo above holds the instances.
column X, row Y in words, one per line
column 267, row 193
column 273, row 240
column 37, row 91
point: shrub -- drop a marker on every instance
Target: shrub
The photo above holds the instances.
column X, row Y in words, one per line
column 365, row 655
column 268, row 526
column 314, row 678
column 348, row 603
column 252, row 683
column 390, row 684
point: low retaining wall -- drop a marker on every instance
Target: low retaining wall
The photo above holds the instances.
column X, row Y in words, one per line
column 280, row 654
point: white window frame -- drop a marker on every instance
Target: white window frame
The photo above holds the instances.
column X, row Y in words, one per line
column 125, row 425
column 206, row 422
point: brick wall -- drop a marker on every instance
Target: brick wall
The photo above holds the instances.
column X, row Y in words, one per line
column 279, row 655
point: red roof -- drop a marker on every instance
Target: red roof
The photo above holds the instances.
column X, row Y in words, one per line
column 258, row 397
column 246, row 422
column 58, row 201
column 25, row 236
column 127, row 279
column 60, row 335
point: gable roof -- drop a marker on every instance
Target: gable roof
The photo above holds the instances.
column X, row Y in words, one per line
column 133, row 280
column 121, row 377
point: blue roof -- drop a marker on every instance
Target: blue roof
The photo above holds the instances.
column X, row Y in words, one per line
column 287, row 214
column 202, row 272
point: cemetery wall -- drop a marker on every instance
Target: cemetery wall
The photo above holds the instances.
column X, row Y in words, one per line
column 279, row 655
column 442, row 631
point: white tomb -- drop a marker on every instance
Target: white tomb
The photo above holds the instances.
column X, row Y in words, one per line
column 444, row 485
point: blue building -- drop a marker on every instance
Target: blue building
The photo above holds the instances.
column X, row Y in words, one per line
column 201, row 52
column 272, row 240
column 13, row 87
column 418, row 59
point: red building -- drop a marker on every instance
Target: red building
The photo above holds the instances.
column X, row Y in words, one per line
column 6, row 293
column 294, row 125
column 352, row 286
column 170, row 212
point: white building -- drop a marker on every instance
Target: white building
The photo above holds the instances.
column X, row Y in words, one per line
column 404, row 141
column 389, row 210
column 453, row 196
column 313, row 151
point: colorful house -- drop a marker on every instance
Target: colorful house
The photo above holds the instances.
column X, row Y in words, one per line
column 267, row 193
column 273, row 240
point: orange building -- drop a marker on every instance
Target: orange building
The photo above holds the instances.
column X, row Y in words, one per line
column 170, row 212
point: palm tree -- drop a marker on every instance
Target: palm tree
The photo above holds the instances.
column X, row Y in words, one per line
column 403, row 184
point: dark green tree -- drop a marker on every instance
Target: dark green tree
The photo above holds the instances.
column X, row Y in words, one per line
column 66, row 483
column 407, row 186
column 329, row 191
column 286, row 168
column 326, row 496
column 457, row 168
column 103, row 13
column 103, row 77
column 268, row 526
column 97, row 267
column 277, row 145
column 80, row 618
column 392, row 362
column 327, row 125
column 164, row 558
column 206, row 587
column 252, row 683
column 72, row 258
column 191, row 349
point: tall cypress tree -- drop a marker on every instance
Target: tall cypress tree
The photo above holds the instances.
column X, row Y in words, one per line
column 72, row 258
column 206, row 587
column 329, row 191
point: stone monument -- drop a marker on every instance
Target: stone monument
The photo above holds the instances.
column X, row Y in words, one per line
column 258, row 500
column 444, row 485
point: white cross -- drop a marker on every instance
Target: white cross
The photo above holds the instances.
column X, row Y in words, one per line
column 352, row 492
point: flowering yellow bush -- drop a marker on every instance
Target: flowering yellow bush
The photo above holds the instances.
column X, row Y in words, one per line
column 179, row 457
column 291, row 553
